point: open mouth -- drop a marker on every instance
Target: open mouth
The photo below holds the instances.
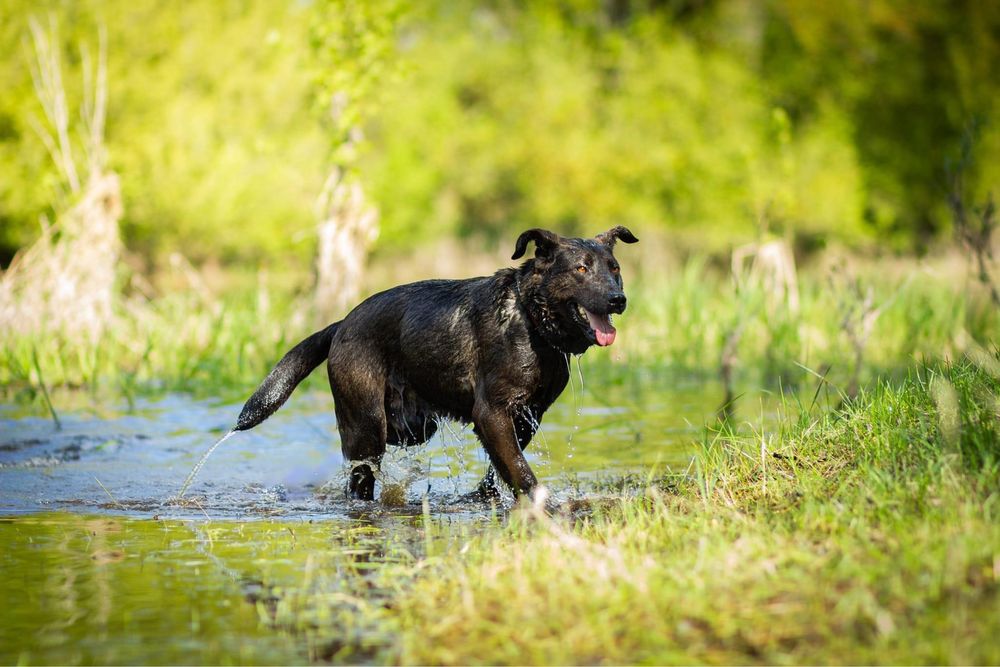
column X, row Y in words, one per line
column 603, row 331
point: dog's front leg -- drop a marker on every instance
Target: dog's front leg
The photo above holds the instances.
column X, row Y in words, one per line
column 495, row 428
column 525, row 423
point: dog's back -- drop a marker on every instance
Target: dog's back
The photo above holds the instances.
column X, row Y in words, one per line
column 423, row 337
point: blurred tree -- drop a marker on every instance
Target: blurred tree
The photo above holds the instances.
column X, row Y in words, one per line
column 354, row 42
column 910, row 76
column 707, row 117
column 567, row 116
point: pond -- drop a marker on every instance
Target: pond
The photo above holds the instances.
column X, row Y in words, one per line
column 99, row 566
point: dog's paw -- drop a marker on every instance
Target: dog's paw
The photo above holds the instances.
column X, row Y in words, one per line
column 361, row 483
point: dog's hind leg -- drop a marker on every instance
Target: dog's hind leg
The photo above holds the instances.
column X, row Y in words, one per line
column 358, row 400
column 362, row 440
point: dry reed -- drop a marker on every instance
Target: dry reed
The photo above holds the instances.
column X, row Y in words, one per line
column 65, row 283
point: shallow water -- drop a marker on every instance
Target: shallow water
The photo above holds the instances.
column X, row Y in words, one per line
column 99, row 566
column 291, row 466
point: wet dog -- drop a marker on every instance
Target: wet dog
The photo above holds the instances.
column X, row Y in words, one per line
column 492, row 351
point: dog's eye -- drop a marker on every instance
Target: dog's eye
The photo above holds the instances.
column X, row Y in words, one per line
column 581, row 269
column 615, row 269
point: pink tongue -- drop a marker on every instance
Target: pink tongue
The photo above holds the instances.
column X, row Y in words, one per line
column 602, row 328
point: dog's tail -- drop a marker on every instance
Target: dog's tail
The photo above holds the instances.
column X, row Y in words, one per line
column 285, row 377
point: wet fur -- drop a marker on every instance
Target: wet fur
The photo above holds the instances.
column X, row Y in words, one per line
column 489, row 351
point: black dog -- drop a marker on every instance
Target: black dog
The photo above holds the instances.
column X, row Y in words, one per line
column 491, row 351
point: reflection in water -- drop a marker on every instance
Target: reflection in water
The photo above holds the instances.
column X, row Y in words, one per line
column 125, row 590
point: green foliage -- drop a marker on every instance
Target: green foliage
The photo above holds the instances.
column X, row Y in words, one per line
column 519, row 118
column 209, row 125
column 710, row 120
column 909, row 78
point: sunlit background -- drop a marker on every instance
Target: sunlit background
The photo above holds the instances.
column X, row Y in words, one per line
column 187, row 188
column 706, row 122
column 789, row 455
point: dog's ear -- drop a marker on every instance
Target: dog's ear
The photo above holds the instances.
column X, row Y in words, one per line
column 609, row 237
column 545, row 243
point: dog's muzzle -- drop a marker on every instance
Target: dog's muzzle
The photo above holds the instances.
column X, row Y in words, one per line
column 617, row 302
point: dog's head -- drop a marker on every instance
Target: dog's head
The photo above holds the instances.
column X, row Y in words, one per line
column 573, row 286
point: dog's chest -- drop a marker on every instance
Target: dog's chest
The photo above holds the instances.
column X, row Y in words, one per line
column 540, row 382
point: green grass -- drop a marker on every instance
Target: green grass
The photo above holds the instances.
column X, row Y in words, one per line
column 682, row 318
column 180, row 342
column 864, row 535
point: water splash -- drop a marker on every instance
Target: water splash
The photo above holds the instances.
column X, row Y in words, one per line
column 579, row 371
column 401, row 468
column 538, row 439
column 577, row 410
column 454, row 446
column 201, row 462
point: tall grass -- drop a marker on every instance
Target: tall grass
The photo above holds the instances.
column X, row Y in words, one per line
column 678, row 318
column 180, row 342
column 862, row 535
column 681, row 319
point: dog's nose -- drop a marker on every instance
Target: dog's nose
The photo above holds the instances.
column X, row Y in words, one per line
column 617, row 302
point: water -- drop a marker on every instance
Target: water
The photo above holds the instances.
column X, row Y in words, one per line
column 100, row 565
column 291, row 466
column 200, row 464
column 117, row 589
